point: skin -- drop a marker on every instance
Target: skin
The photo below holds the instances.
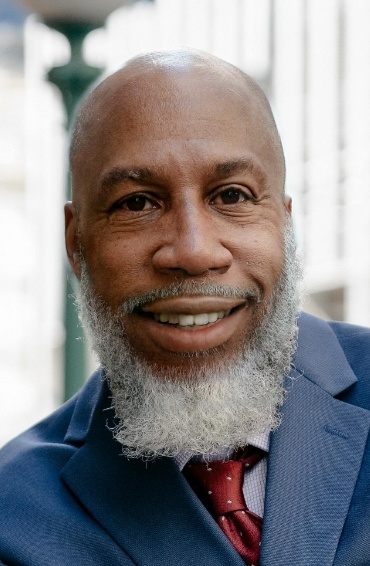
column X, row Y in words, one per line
column 178, row 176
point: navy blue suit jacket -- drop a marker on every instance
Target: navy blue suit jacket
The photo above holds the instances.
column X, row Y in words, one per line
column 68, row 496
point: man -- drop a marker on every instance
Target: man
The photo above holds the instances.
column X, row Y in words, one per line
column 179, row 231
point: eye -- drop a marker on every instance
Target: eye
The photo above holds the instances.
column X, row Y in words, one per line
column 231, row 195
column 136, row 203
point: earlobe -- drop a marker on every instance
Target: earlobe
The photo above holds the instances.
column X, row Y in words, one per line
column 288, row 204
column 71, row 237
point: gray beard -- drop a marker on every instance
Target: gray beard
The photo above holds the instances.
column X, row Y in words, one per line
column 206, row 406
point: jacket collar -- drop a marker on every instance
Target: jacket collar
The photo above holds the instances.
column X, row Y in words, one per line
column 319, row 356
column 315, row 455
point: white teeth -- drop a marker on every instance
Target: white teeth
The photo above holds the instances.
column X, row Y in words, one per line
column 189, row 319
column 186, row 320
column 200, row 319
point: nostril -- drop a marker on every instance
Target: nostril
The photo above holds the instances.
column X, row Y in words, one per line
column 192, row 261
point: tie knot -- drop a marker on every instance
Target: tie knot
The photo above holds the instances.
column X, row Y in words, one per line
column 219, row 484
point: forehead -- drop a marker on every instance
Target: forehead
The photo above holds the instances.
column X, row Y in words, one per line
column 170, row 98
column 136, row 116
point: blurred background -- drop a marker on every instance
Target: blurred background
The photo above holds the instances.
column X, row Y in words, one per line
column 312, row 59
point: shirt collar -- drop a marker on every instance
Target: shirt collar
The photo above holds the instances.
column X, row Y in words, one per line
column 261, row 440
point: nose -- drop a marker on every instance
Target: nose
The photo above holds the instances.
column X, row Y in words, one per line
column 192, row 244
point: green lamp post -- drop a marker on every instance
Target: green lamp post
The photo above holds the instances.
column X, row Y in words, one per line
column 73, row 79
column 74, row 19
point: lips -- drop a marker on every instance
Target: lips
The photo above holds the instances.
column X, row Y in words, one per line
column 190, row 323
column 193, row 305
column 191, row 311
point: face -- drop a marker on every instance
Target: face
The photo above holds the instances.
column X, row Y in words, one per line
column 178, row 189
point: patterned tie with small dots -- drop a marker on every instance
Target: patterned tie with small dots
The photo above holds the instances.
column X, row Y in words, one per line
column 219, row 485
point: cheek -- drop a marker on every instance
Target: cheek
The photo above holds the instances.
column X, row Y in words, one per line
column 116, row 267
column 261, row 255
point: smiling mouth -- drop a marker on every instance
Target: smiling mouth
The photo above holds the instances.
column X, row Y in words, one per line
column 188, row 320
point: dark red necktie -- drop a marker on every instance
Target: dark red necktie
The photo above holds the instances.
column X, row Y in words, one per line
column 219, row 485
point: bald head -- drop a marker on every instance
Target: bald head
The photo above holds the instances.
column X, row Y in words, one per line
column 159, row 83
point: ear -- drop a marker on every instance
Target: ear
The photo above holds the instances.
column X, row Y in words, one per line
column 71, row 237
column 288, row 204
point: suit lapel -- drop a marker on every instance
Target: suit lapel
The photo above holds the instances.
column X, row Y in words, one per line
column 314, row 459
column 148, row 508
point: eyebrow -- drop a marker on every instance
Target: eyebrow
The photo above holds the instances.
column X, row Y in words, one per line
column 240, row 165
column 120, row 174
column 147, row 175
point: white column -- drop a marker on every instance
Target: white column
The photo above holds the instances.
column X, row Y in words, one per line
column 45, row 196
column 288, row 96
column 253, row 23
column 357, row 162
column 322, row 119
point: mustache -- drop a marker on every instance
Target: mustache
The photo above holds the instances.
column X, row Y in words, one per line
column 135, row 302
